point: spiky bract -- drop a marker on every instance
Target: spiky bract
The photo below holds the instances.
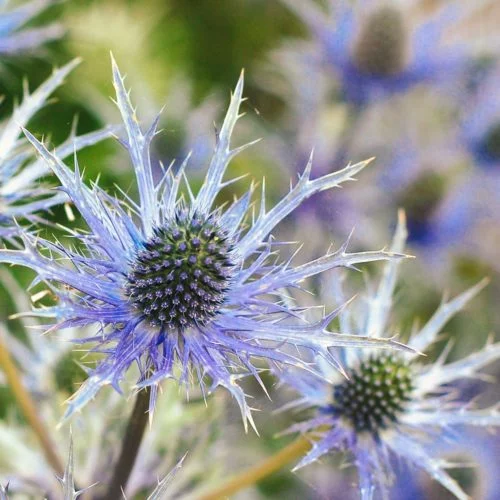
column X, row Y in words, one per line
column 21, row 193
column 15, row 38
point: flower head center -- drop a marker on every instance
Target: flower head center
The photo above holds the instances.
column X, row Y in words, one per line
column 375, row 394
column 182, row 275
column 381, row 47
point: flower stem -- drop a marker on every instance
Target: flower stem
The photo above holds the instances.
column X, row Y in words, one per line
column 134, row 433
column 293, row 451
column 28, row 406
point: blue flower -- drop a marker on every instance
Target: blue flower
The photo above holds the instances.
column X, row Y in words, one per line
column 14, row 38
column 374, row 50
column 170, row 280
column 392, row 406
column 20, row 191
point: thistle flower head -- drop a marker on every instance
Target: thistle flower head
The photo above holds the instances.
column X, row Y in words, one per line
column 15, row 38
column 20, row 192
column 392, row 405
column 177, row 286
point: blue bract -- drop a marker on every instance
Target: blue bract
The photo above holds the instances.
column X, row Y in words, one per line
column 179, row 286
column 21, row 193
column 15, row 38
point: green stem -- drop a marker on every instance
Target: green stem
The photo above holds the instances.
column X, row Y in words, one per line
column 130, row 447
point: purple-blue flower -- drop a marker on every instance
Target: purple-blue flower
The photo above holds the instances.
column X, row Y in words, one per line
column 392, row 405
column 176, row 284
column 376, row 52
column 15, row 38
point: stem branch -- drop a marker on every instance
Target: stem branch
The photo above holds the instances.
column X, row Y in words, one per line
column 28, row 406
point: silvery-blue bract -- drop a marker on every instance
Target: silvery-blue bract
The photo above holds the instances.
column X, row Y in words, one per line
column 177, row 286
column 21, row 193
column 393, row 405
column 14, row 37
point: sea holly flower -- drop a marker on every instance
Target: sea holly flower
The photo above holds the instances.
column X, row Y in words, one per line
column 376, row 52
column 170, row 280
column 392, row 405
column 15, row 38
column 20, row 191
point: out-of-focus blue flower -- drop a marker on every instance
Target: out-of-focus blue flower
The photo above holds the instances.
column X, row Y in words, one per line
column 456, row 200
column 172, row 279
column 21, row 193
column 392, row 406
column 375, row 51
column 481, row 123
column 14, row 38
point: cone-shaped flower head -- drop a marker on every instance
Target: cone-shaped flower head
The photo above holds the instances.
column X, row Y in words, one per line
column 171, row 278
column 15, row 38
column 393, row 405
column 20, row 193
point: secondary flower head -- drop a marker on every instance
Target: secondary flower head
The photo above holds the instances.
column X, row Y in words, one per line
column 14, row 38
column 392, row 405
column 172, row 280
column 375, row 50
column 21, row 194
